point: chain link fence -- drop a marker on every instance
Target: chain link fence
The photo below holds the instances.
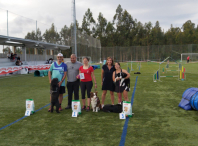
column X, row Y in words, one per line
column 87, row 46
column 149, row 53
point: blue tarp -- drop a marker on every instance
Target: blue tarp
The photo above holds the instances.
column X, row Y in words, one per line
column 95, row 66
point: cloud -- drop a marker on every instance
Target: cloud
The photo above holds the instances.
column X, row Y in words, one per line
column 59, row 12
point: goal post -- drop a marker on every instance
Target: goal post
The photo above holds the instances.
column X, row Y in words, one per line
column 193, row 56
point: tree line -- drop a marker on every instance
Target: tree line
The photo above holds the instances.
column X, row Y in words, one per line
column 124, row 30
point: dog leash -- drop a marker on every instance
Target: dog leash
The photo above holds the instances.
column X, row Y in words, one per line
column 119, row 90
column 94, row 89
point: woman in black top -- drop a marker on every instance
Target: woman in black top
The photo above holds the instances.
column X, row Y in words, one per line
column 121, row 87
column 107, row 82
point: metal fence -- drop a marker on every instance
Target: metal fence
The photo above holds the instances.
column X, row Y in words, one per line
column 87, row 46
column 32, row 57
column 149, row 53
column 3, row 55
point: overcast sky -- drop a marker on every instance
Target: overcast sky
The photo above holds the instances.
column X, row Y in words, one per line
column 59, row 12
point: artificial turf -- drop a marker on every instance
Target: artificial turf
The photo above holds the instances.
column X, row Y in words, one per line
column 157, row 119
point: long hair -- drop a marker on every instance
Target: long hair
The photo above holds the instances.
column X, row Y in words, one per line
column 111, row 60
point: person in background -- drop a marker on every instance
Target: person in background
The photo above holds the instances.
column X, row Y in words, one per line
column 188, row 59
column 15, row 56
column 18, row 62
column 51, row 61
column 58, row 70
column 8, row 55
column 72, row 82
column 12, row 57
column 107, row 82
column 120, row 89
column 86, row 82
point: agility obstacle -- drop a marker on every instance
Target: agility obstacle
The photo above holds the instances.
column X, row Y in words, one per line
column 172, row 68
column 132, row 66
column 181, row 76
column 189, row 99
column 181, row 72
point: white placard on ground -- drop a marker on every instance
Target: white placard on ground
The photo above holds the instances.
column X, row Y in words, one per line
column 27, row 112
column 122, row 115
column 74, row 114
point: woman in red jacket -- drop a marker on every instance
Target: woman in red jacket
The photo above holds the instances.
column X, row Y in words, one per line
column 86, row 75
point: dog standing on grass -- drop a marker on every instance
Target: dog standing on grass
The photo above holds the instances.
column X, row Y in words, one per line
column 54, row 91
column 95, row 101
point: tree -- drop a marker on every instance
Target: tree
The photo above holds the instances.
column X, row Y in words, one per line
column 100, row 31
column 51, row 36
column 101, row 26
column 87, row 22
column 34, row 35
column 138, row 38
column 157, row 35
column 65, row 35
column 109, row 38
column 18, row 50
column 7, row 50
column 170, row 35
column 189, row 32
column 124, row 24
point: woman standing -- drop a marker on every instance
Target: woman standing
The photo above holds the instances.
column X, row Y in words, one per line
column 121, row 87
column 107, row 82
column 86, row 73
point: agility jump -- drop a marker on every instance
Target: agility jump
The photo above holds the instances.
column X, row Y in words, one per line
column 181, row 72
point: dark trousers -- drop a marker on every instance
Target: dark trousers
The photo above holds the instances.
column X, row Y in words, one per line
column 86, row 86
column 73, row 87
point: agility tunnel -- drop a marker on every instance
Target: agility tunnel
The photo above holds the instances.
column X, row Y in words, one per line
column 96, row 66
column 189, row 99
column 41, row 73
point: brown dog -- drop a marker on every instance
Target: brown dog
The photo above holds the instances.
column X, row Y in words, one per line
column 95, row 101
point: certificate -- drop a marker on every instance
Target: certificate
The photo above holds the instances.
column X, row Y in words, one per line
column 82, row 76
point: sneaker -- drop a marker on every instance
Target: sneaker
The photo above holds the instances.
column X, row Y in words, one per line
column 83, row 108
column 68, row 107
column 49, row 110
column 88, row 109
column 60, row 109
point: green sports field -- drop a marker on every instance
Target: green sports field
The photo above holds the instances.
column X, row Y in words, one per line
column 157, row 120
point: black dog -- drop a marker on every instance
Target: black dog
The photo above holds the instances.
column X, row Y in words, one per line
column 54, row 91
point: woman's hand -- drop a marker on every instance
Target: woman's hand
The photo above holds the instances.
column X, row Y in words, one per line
column 59, row 84
column 117, row 79
column 101, row 83
column 95, row 86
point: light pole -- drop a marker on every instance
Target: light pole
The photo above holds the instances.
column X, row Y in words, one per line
column 74, row 29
